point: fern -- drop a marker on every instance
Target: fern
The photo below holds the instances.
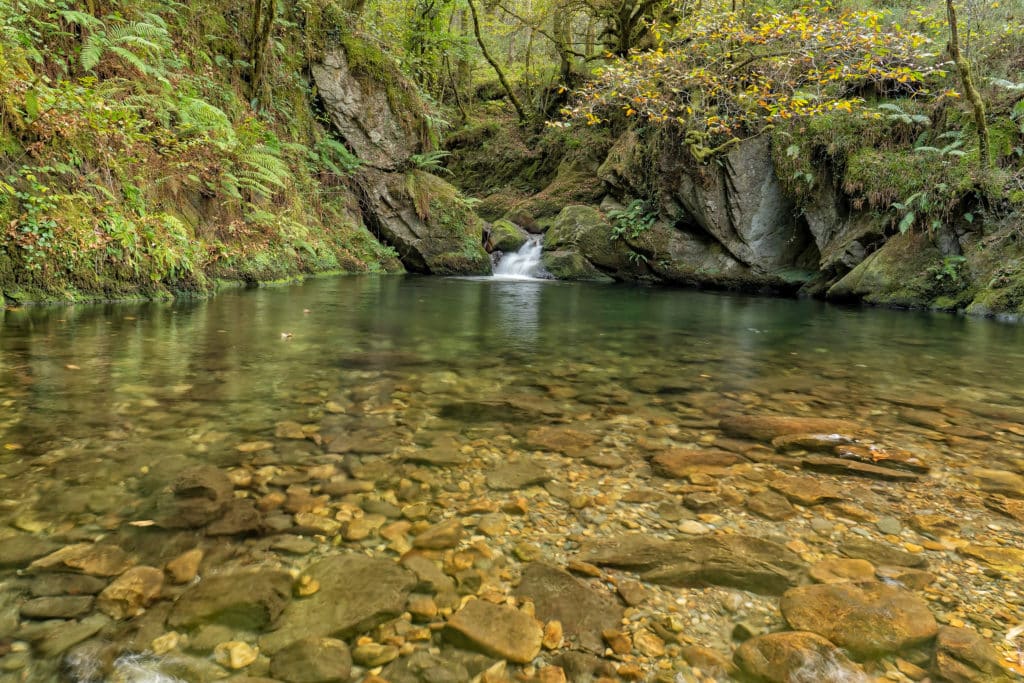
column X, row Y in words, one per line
column 198, row 115
column 336, row 157
column 261, row 170
column 431, row 162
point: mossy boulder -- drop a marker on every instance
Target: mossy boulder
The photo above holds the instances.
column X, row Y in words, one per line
column 571, row 265
column 585, row 230
column 505, row 236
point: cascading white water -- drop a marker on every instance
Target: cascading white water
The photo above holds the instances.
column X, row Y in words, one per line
column 522, row 265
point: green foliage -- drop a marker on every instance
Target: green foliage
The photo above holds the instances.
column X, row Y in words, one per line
column 948, row 271
column 632, row 221
column 431, row 162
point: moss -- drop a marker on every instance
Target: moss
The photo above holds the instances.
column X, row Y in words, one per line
column 506, row 236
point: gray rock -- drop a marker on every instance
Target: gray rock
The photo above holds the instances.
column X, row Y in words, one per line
column 356, row 593
column 889, row 525
column 66, row 584
column 21, row 549
column 54, row 640
column 240, row 517
column 449, row 666
column 243, row 600
column 583, row 611
column 57, row 607
column 313, row 660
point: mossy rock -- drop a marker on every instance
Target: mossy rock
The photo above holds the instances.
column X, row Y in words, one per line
column 566, row 264
column 586, row 230
column 506, row 236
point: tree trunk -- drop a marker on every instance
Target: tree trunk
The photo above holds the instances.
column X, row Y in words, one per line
column 264, row 16
column 494, row 65
column 973, row 96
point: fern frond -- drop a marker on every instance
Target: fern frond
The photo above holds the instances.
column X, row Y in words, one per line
column 83, row 19
column 92, row 50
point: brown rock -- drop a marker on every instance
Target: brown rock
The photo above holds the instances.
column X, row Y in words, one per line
column 197, row 497
column 1005, row 560
column 243, row 600
column 807, row 490
column 131, row 592
column 768, row 427
column 868, row 619
column 440, row 536
column 1014, row 509
column 842, row 570
column 708, row 660
column 94, row 559
column 794, row 656
column 961, row 656
column 564, row 440
column 679, row 463
column 770, row 505
column 854, row 468
column 880, row 554
column 896, row 458
column 617, row 640
column 185, row 567
column 496, row 630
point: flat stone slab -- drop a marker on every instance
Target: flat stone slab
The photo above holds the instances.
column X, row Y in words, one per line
column 356, row 594
column 517, row 475
column 496, row 630
column 244, row 600
column 854, row 468
column 769, row 427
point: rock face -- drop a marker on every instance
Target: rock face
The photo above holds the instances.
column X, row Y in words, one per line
column 795, row 656
column 731, row 560
column 356, row 593
column 496, row 630
column 378, row 114
column 558, row 596
column 868, row 619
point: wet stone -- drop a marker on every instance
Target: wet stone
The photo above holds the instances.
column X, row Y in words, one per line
column 244, row 600
column 807, row 490
column 440, row 536
column 184, row 567
column 94, row 559
column 769, row 427
column 66, row 584
column 794, row 656
column 880, row 553
column 868, row 619
column 131, row 592
column 770, row 505
column 679, row 463
column 962, row 656
column 854, row 468
column 21, row 549
column 558, row 596
column 57, row 607
column 198, row 496
column 517, row 476
column 496, row 630
column 841, row 570
column 313, row 660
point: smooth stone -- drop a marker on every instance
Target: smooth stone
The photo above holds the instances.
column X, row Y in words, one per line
column 185, row 566
column 559, row 596
column 244, row 600
column 795, row 656
column 356, row 594
column 441, row 536
column 806, row 491
column 517, row 475
column 708, row 661
column 66, row 584
column 841, row 570
column 374, row 654
column 889, row 525
column 680, row 463
column 493, row 524
column 57, row 607
column 94, row 559
column 235, row 654
column 438, row 456
column 20, row 550
column 1000, row 482
column 131, row 592
column 1008, row 507
column 564, row 440
column 810, row 442
column 608, row 461
column 868, row 619
column 63, row 636
column 313, row 660
column 495, row 630
column 240, row 517
column 962, row 656
column 293, row 545
column 1005, row 560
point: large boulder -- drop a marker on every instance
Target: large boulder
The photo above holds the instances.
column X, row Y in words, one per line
column 243, row 600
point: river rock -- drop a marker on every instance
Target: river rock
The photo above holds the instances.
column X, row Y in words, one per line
column 880, row 554
column 1014, row 509
column 66, row 584
column 313, row 660
column 496, row 630
column 94, row 559
column 517, row 475
column 770, row 505
column 240, row 517
column 807, row 490
column 558, row 596
column 440, row 536
column 1000, row 482
column 962, row 656
column 564, row 440
column 244, row 600
column 356, row 594
column 184, row 567
column 131, row 592
column 198, row 496
column 769, row 427
column 841, row 570
column 795, row 656
column 732, row 560
column 893, row 458
column 854, row 468
column 868, row 619
column 62, row 636
column 678, row 463
column 21, row 549
column 438, row 456
column 57, row 607
column 449, row 666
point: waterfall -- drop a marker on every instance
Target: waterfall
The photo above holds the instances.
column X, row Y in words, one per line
column 522, row 265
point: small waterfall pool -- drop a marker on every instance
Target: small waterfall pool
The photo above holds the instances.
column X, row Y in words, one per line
column 523, row 264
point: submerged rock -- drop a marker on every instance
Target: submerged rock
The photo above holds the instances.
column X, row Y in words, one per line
column 95, row 559
column 198, row 496
column 313, row 660
column 496, row 630
column 869, row 619
column 796, row 657
column 558, row 596
column 961, row 656
column 770, row 427
column 131, row 592
column 356, row 593
column 245, row 600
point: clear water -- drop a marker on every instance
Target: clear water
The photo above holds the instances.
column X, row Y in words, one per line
column 99, row 403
